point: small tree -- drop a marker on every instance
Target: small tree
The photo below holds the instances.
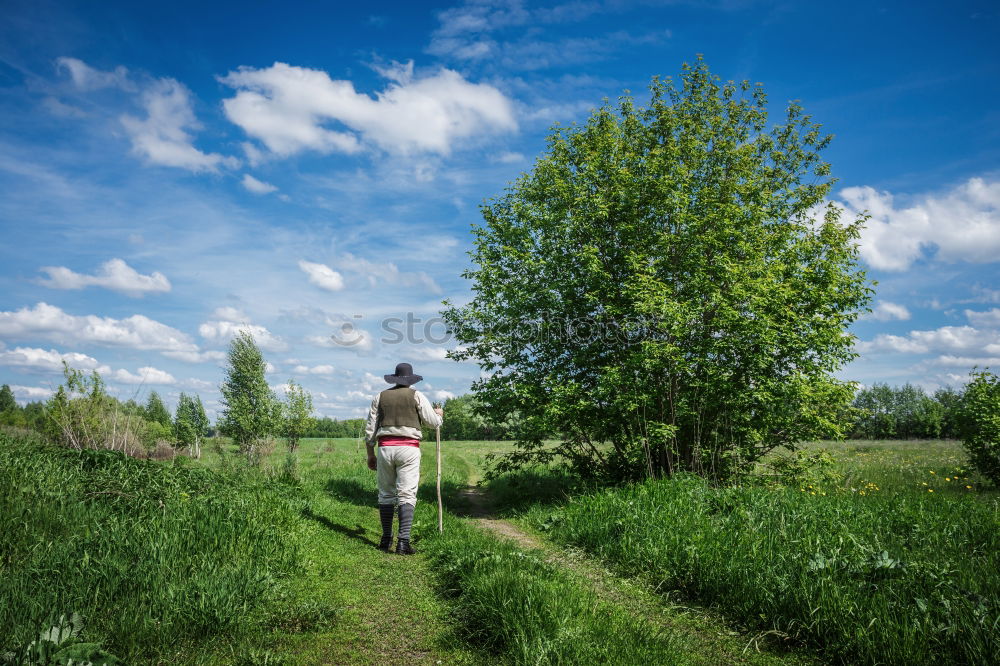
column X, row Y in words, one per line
column 7, row 401
column 979, row 424
column 200, row 423
column 658, row 292
column 297, row 414
column 185, row 431
column 250, row 411
column 156, row 411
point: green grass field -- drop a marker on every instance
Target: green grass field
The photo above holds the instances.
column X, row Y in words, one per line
column 893, row 558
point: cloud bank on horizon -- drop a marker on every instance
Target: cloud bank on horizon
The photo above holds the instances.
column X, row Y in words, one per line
column 320, row 198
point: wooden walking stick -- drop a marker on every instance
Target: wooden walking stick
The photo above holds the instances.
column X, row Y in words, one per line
column 437, row 433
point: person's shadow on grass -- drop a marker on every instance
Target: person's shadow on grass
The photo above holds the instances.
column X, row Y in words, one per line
column 358, row 532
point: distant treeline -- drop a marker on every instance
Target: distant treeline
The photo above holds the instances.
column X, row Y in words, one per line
column 882, row 412
column 906, row 412
column 327, row 427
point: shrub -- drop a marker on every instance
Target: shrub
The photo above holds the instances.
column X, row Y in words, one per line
column 980, row 424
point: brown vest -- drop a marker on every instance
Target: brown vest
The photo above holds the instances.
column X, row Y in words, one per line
column 398, row 407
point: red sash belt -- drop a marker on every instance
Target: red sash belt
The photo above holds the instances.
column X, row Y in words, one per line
column 398, row 441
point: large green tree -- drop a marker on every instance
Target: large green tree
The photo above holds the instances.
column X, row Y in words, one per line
column 666, row 289
column 251, row 412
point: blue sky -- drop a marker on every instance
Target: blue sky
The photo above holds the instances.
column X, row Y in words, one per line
column 173, row 173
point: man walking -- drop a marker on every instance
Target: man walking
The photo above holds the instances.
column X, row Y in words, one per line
column 394, row 422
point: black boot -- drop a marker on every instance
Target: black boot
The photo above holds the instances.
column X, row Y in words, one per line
column 386, row 512
column 405, row 522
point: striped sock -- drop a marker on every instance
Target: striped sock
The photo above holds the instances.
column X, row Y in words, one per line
column 385, row 512
column 405, row 521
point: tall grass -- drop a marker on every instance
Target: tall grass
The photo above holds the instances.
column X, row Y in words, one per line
column 158, row 558
column 524, row 610
column 882, row 578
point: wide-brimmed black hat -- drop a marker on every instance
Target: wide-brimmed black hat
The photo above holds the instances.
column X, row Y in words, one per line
column 404, row 375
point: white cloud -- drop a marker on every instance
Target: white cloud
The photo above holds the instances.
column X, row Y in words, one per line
column 441, row 396
column 257, row 186
column 508, row 157
column 385, row 271
column 428, row 353
column 87, row 78
column 314, row 370
column 162, row 137
column 962, row 225
column 287, row 108
column 145, row 375
column 986, row 319
column 196, row 356
column 967, row 361
column 508, row 34
column 28, row 393
column 886, row 311
column 51, row 322
column 322, row 276
column 47, row 360
column 198, row 385
column 984, row 295
column 114, row 274
column 224, row 331
column 229, row 313
column 954, row 339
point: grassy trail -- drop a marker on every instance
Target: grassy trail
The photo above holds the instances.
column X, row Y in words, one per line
column 709, row 639
column 390, row 606
column 387, row 606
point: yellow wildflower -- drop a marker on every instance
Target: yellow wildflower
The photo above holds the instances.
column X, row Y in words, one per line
column 930, row 490
column 933, row 472
column 969, row 487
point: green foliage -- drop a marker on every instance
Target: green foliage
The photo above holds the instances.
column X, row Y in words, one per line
column 251, row 411
column 7, row 401
column 156, row 411
column 61, row 645
column 328, row 427
column 297, row 417
column 32, row 416
column 83, row 416
column 464, row 419
column 950, row 401
column 979, row 424
column 905, row 412
column 657, row 293
column 525, row 610
column 190, row 423
column 160, row 558
column 798, row 468
column 884, row 578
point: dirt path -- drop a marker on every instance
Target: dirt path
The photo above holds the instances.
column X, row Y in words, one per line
column 719, row 642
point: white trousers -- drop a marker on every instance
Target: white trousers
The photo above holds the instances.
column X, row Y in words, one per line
column 398, row 474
